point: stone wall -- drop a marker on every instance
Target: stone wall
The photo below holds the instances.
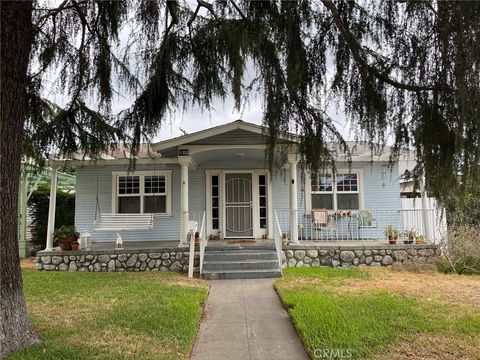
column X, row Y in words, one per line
column 296, row 256
column 160, row 260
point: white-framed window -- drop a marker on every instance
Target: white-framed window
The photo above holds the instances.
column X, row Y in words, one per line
column 143, row 192
column 339, row 192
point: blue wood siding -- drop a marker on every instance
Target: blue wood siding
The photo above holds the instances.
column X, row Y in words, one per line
column 378, row 194
column 164, row 228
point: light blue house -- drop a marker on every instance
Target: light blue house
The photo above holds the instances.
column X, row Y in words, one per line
column 219, row 178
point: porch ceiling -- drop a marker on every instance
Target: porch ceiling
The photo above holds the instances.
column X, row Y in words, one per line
column 230, row 156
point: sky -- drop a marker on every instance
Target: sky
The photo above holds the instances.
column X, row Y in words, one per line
column 194, row 119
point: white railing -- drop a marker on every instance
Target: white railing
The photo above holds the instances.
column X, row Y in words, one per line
column 203, row 242
column 278, row 240
column 348, row 225
column 195, row 216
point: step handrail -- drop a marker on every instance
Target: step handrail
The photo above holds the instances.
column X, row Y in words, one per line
column 277, row 239
column 203, row 243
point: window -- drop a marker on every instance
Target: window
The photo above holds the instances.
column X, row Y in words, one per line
column 262, row 193
column 144, row 193
column 215, row 202
column 339, row 194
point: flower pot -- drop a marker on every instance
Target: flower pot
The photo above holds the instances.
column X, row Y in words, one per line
column 392, row 241
column 66, row 243
column 75, row 246
column 408, row 241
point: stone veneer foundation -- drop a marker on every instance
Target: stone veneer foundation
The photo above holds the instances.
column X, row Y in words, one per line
column 345, row 256
column 176, row 259
column 168, row 259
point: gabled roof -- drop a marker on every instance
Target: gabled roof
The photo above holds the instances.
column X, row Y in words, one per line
column 237, row 128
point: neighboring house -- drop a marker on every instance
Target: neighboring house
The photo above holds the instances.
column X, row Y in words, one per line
column 412, row 199
column 31, row 177
column 219, row 177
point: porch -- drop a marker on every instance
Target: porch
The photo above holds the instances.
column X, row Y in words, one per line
column 169, row 256
column 357, row 226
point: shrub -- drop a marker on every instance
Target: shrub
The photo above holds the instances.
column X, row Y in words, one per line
column 461, row 249
column 38, row 204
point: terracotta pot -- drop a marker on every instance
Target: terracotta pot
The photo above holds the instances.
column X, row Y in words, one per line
column 66, row 243
column 392, row 241
column 75, row 246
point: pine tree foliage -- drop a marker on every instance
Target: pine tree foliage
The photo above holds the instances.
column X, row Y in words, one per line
column 404, row 70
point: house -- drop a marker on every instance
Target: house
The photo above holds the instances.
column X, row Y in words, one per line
column 216, row 183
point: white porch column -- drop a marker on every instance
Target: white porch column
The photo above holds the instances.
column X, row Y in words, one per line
column 51, row 209
column 425, row 215
column 292, row 162
column 184, row 162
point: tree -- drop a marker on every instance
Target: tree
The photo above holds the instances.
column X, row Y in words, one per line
column 405, row 69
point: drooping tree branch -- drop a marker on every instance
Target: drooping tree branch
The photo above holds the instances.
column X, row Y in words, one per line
column 242, row 15
column 355, row 49
column 206, row 5
column 172, row 10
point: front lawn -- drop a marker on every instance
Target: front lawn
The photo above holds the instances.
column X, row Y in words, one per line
column 112, row 315
column 383, row 313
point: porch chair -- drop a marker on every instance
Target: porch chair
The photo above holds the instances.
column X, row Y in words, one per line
column 322, row 221
column 366, row 219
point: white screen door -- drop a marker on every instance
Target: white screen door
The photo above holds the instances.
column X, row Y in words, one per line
column 238, row 206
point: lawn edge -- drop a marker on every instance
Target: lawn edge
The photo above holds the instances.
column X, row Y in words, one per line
column 285, row 307
column 202, row 317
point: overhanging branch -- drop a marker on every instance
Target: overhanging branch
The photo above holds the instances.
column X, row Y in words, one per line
column 355, row 48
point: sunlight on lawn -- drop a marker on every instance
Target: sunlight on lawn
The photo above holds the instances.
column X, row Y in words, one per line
column 112, row 315
column 383, row 313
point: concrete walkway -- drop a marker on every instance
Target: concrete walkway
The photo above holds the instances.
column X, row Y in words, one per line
column 244, row 319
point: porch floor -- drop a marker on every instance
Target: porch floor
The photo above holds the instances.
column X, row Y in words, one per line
column 152, row 246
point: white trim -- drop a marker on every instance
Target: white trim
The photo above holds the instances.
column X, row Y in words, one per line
column 257, row 232
column 308, row 190
column 51, row 208
column 196, row 149
column 113, row 162
column 199, row 135
column 255, row 206
column 142, row 174
column 334, row 192
column 208, row 200
column 270, row 225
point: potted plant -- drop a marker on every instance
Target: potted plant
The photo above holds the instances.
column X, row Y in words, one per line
column 75, row 245
column 65, row 236
column 197, row 238
column 410, row 235
column 285, row 239
column 420, row 240
column 391, row 232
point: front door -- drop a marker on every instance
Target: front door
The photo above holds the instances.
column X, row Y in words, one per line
column 238, row 205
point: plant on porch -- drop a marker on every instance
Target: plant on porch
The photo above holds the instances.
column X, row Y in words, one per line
column 65, row 236
column 392, row 233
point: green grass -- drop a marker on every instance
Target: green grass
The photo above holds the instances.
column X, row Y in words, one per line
column 112, row 315
column 366, row 324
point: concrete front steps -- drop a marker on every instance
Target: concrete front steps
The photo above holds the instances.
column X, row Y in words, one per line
column 240, row 263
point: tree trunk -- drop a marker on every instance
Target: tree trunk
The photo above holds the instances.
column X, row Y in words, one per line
column 16, row 42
